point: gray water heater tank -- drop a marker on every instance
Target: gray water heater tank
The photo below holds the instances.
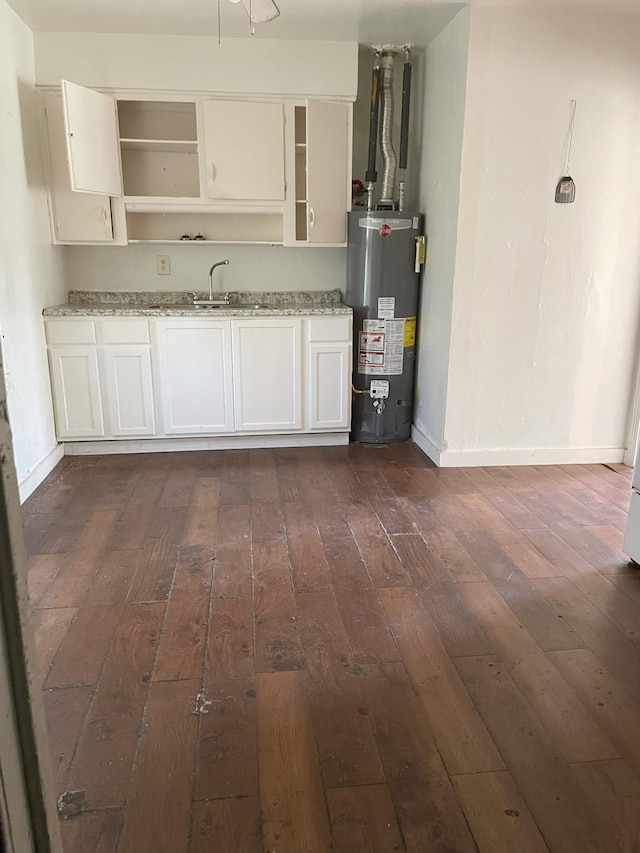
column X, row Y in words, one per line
column 385, row 250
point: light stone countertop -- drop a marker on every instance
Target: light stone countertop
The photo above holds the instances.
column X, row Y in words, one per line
column 86, row 303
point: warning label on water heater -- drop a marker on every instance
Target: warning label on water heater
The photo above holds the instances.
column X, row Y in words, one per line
column 381, row 347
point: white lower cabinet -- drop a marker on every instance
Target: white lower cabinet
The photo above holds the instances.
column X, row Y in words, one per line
column 120, row 378
column 329, row 386
column 194, row 378
column 128, row 390
column 77, row 394
column 267, row 373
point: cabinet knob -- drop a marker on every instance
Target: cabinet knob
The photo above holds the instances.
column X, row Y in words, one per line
column 212, row 174
column 312, row 217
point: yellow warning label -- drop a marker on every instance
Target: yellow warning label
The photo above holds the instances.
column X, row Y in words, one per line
column 410, row 331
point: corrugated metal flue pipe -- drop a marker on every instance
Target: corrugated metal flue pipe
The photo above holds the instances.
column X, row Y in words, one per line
column 386, row 132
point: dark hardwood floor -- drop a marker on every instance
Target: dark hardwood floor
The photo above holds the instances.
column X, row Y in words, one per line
column 338, row 649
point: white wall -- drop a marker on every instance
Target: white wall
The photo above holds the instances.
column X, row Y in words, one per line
column 261, row 66
column 546, row 297
column 30, row 268
column 259, row 268
column 444, row 86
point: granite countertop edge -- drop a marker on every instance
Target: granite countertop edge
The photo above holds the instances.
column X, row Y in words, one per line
column 83, row 303
column 95, row 310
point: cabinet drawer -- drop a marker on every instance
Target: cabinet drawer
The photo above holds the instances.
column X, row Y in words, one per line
column 330, row 329
column 124, row 331
column 70, row 330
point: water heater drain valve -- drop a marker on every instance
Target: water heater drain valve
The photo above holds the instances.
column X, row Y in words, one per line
column 379, row 389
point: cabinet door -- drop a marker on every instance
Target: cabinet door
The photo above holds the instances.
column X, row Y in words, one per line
column 244, row 150
column 329, row 386
column 266, row 373
column 194, row 379
column 76, row 217
column 129, row 390
column 76, row 392
column 93, row 145
column 327, row 178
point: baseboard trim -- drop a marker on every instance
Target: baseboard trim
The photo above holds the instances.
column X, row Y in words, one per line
column 542, row 456
column 230, row 442
column 44, row 467
column 502, row 457
column 425, row 444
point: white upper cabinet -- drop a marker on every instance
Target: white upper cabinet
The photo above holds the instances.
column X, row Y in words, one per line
column 244, row 150
column 75, row 217
column 328, row 184
column 93, row 146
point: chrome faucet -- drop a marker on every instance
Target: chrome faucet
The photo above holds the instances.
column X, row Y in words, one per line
column 211, row 301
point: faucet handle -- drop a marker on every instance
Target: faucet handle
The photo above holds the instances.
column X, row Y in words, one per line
column 230, row 293
column 191, row 293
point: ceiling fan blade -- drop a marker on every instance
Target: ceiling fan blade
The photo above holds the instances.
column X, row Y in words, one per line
column 260, row 11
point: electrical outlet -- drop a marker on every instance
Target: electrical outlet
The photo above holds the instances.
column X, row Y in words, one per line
column 163, row 264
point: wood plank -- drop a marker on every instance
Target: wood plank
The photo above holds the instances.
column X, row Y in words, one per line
column 309, row 570
column 606, row 699
column 91, row 545
column 443, row 543
column 530, row 561
column 159, row 805
column 363, row 820
column 491, row 519
column 614, row 789
column 227, row 739
column 497, row 814
column 615, row 651
column 520, row 594
column 346, row 746
column 623, row 612
column 184, row 634
column 577, row 735
column 103, row 760
column 50, row 628
column 461, row 736
column 66, row 591
column 135, row 520
column 94, row 832
column 87, row 641
column 560, row 809
column 178, row 487
column 461, row 634
column 377, row 552
column 230, row 826
column 41, row 570
column 201, row 526
column 65, row 711
column 369, row 634
column 235, row 478
column 156, row 566
column 293, row 807
column 428, row 812
column 420, row 562
column 277, row 635
column 227, row 742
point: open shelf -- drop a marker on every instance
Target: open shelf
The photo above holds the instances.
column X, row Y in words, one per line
column 178, row 145
column 264, row 228
column 168, row 120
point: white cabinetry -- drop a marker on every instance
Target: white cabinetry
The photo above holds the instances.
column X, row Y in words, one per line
column 125, row 361
column 194, row 376
column 133, row 377
column 75, row 217
column 329, row 373
column 267, row 359
column 75, row 379
column 244, row 150
column 322, row 134
column 232, row 169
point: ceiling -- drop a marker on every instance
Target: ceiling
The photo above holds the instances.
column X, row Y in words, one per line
column 367, row 21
